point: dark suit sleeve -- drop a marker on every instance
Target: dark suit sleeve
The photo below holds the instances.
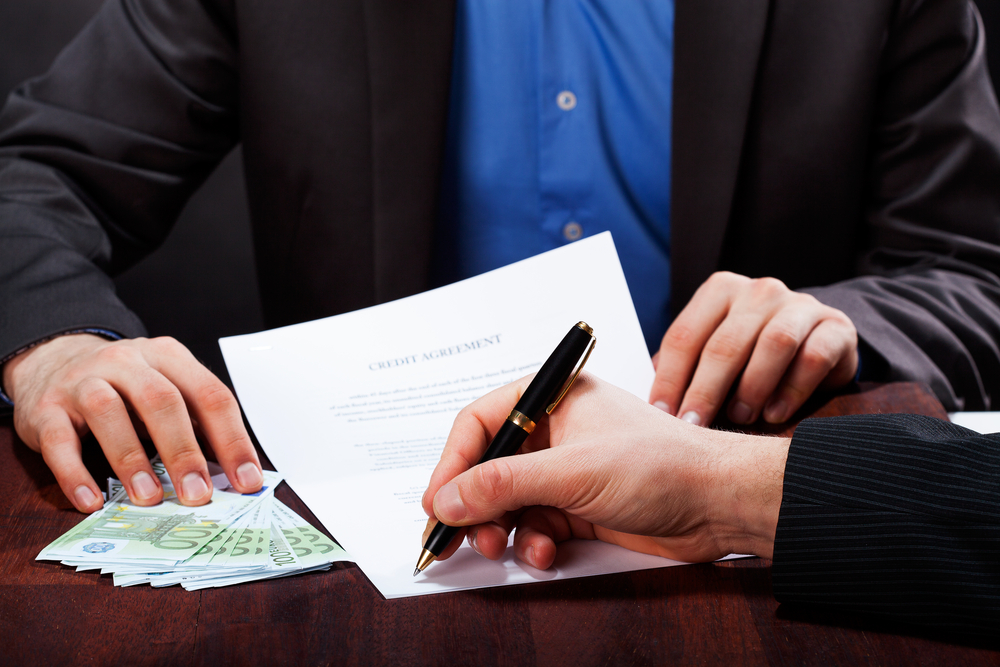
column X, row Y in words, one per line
column 98, row 156
column 927, row 303
column 895, row 516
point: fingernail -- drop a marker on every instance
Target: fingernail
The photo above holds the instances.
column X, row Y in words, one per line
column 740, row 412
column 249, row 475
column 776, row 411
column 143, row 485
column 692, row 417
column 473, row 536
column 448, row 504
column 193, row 486
column 84, row 496
column 661, row 406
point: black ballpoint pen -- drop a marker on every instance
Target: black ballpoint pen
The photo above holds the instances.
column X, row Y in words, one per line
column 543, row 394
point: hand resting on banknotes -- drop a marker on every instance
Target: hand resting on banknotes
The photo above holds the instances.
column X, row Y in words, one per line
column 78, row 384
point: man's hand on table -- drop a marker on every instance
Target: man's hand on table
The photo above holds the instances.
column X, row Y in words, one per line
column 606, row 465
column 81, row 383
column 785, row 343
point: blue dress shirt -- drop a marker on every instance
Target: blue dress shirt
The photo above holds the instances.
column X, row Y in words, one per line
column 559, row 128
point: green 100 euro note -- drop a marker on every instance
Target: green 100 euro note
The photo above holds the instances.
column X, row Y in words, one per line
column 164, row 534
column 234, row 539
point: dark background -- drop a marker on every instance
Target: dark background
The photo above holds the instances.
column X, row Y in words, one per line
column 201, row 284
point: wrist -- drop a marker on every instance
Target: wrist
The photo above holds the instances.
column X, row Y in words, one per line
column 27, row 361
column 749, row 489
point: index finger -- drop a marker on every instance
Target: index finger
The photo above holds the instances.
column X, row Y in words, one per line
column 682, row 344
column 470, row 435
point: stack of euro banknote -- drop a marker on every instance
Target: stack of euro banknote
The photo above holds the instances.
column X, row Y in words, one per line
column 233, row 539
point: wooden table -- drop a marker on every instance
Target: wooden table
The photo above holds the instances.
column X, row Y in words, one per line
column 696, row 614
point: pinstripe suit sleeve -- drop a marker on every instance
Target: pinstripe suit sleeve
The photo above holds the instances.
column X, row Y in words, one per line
column 893, row 515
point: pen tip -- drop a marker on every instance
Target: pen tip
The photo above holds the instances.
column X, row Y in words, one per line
column 426, row 558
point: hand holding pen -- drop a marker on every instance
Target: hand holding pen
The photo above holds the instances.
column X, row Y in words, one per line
column 606, row 465
column 541, row 396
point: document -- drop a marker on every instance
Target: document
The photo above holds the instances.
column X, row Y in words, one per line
column 980, row 422
column 354, row 410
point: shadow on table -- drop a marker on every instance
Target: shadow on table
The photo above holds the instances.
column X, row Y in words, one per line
column 44, row 481
column 852, row 620
column 677, row 583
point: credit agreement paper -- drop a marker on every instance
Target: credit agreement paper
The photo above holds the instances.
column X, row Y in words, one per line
column 354, row 410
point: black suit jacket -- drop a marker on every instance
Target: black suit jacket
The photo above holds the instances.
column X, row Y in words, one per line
column 847, row 147
column 893, row 516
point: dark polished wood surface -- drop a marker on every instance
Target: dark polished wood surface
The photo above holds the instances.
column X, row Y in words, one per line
column 696, row 614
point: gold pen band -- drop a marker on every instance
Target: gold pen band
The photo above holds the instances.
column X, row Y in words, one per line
column 520, row 419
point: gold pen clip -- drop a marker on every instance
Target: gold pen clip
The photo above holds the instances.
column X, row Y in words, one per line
column 576, row 371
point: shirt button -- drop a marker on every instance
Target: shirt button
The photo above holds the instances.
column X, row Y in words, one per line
column 566, row 100
column 572, row 231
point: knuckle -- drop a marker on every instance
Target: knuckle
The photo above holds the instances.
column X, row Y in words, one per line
column 52, row 399
column 766, row 288
column 841, row 318
column 716, row 278
column 233, row 442
column 724, row 346
column 795, row 393
column 180, row 454
column 810, row 300
column 52, row 434
column 132, row 459
column 816, row 359
column 667, row 387
column 98, row 398
column 185, row 457
column 159, row 396
column 780, row 337
column 167, row 345
column 215, row 397
column 835, row 328
column 494, row 481
column 723, row 278
column 754, row 388
column 116, row 354
column 464, row 415
column 453, row 460
column 701, row 401
column 680, row 336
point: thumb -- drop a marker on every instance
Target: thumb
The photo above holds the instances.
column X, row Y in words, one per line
column 490, row 490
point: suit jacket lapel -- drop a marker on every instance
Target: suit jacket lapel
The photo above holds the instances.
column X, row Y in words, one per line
column 409, row 60
column 717, row 44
